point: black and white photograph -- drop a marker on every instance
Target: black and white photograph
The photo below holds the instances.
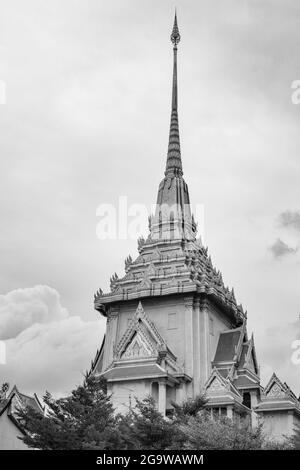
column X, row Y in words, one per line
column 150, row 231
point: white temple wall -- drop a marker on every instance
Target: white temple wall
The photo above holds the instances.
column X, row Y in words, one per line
column 9, row 435
column 124, row 394
column 277, row 424
column 168, row 315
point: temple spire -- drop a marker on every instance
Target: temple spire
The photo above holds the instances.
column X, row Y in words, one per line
column 174, row 165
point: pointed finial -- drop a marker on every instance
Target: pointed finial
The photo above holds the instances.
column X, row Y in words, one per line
column 175, row 36
column 174, row 165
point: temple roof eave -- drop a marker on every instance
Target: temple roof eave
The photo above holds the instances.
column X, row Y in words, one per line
column 218, row 401
column 102, row 303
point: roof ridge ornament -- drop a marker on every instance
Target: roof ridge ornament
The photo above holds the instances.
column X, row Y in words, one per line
column 175, row 36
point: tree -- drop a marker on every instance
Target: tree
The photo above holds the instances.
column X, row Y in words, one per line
column 84, row 420
column 143, row 427
column 182, row 413
column 203, row 432
column 295, row 440
column 188, row 408
column 3, row 390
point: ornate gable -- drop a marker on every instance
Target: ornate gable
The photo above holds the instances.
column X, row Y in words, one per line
column 137, row 348
column 276, row 391
column 275, row 388
column 278, row 396
column 141, row 339
column 216, row 384
column 142, row 352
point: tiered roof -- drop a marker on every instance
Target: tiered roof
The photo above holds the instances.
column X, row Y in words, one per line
column 170, row 268
column 171, row 260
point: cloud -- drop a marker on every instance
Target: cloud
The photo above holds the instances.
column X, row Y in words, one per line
column 21, row 308
column 275, row 345
column 280, row 249
column 52, row 356
column 46, row 348
column 289, row 219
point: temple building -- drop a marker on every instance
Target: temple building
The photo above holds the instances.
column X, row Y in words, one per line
column 174, row 330
column 11, row 429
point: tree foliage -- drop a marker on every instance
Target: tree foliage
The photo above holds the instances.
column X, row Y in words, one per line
column 295, row 440
column 203, row 432
column 86, row 420
column 143, row 427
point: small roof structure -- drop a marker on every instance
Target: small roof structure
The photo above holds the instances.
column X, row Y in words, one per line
column 277, row 396
column 17, row 400
column 221, row 391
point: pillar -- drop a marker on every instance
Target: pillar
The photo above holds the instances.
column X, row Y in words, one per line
column 254, row 403
column 188, row 339
column 196, row 347
column 230, row 412
column 111, row 336
column 162, row 397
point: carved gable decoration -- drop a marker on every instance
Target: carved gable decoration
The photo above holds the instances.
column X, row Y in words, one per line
column 276, row 391
column 218, row 385
column 215, row 385
column 136, row 348
column 141, row 339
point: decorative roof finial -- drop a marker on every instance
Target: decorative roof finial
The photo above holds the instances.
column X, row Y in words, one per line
column 175, row 36
column 174, row 165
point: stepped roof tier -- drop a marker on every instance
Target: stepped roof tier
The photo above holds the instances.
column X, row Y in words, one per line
column 170, row 267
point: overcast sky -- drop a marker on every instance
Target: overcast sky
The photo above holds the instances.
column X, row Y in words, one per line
column 88, row 91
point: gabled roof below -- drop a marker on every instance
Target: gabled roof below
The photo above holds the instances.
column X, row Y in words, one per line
column 282, row 405
column 227, row 346
column 278, row 396
column 243, row 381
column 8, row 409
column 27, row 400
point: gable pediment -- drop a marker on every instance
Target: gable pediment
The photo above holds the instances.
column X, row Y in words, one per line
column 141, row 339
column 215, row 385
column 276, row 391
column 218, row 385
column 137, row 348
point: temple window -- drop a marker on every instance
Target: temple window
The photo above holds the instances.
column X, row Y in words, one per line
column 154, row 391
column 218, row 412
column 247, row 399
column 172, row 321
